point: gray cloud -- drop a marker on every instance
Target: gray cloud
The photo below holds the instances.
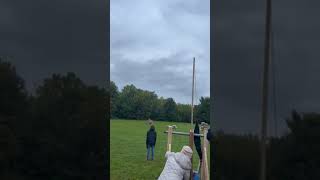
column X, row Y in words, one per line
column 168, row 77
column 153, row 43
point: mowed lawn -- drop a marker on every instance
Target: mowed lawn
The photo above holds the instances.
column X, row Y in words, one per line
column 128, row 149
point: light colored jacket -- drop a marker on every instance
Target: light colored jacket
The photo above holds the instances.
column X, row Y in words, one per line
column 177, row 167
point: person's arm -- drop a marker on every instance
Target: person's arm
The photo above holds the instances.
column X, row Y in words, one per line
column 168, row 153
column 147, row 139
column 155, row 139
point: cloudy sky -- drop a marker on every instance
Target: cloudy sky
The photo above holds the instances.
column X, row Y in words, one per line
column 153, row 43
column 45, row 37
column 238, row 62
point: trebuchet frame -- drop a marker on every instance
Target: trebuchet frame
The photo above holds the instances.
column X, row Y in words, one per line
column 204, row 173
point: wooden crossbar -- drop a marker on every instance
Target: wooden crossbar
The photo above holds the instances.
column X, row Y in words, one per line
column 184, row 133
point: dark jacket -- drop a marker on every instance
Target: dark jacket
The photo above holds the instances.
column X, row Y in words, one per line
column 197, row 140
column 151, row 137
column 210, row 135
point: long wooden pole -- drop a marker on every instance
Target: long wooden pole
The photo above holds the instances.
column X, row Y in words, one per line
column 265, row 91
column 191, row 132
column 192, row 106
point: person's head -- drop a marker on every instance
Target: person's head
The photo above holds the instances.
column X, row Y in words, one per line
column 152, row 127
column 186, row 150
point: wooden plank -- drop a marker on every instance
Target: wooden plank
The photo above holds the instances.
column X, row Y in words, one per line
column 184, row 133
column 169, row 138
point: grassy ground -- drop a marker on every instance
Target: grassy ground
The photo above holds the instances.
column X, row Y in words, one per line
column 128, row 149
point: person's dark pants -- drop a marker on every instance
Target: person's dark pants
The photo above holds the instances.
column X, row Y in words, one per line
column 150, row 148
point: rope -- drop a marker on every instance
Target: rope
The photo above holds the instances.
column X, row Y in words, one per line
column 195, row 85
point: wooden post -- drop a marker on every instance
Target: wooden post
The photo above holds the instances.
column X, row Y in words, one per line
column 191, row 146
column 169, row 138
column 204, row 173
column 204, row 166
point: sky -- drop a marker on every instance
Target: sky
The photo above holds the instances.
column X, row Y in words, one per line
column 46, row 37
column 238, row 62
column 152, row 45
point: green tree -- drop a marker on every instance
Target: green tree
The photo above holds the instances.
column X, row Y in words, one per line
column 114, row 93
column 13, row 93
column 158, row 112
column 134, row 103
column 170, row 110
column 69, row 128
column 202, row 111
column 183, row 112
column 13, row 105
column 126, row 102
column 147, row 103
column 300, row 153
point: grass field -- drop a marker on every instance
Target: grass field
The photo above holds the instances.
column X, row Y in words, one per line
column 128, row 149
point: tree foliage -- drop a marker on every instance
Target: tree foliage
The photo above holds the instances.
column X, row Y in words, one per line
column 57, row 133
column 60, row 132
column 134, row 103
column 293, row 156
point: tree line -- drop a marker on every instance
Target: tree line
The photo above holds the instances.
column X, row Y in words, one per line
column 134, row 103
column 57, row 132
column 292, row 156
column 60, row 132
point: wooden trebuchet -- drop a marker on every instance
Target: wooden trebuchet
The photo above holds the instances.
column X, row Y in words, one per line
column 204, row 172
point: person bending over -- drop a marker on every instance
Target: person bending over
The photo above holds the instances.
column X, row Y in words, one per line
column 178, row 165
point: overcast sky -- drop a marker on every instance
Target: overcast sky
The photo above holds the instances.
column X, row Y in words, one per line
column 45, row 37
column 238, row 62
column 153, row 43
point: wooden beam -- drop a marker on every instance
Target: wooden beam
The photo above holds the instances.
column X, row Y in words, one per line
column 169, row 138
column 184, row 133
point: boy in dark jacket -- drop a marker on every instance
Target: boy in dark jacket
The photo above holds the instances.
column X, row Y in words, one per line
column 151, row 142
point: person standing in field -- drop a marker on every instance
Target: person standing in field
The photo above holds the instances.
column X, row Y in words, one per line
column 151, row 142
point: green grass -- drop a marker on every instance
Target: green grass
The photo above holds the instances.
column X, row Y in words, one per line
column 128, row 149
